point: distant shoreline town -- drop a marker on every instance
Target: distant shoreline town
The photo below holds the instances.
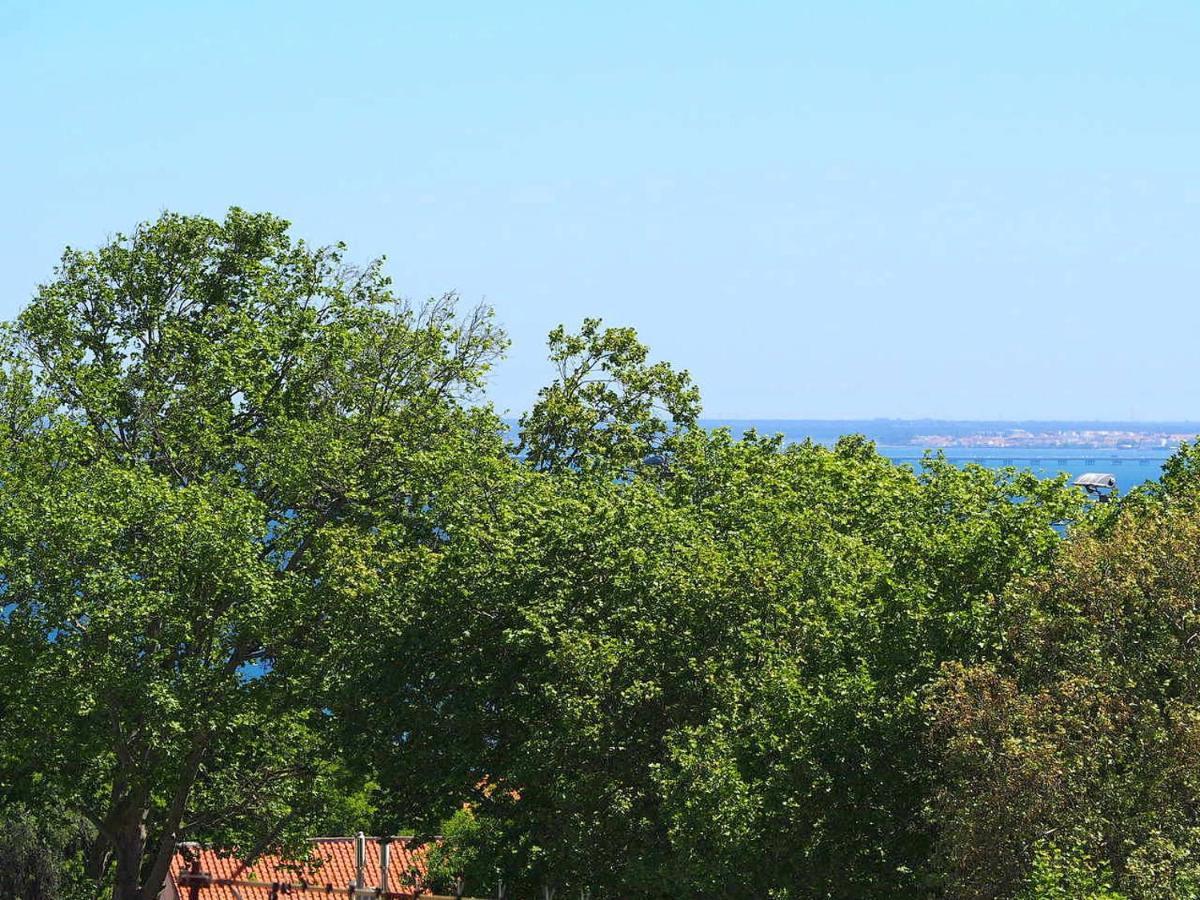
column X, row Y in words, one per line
column 1057, row 439
column 1157, row 436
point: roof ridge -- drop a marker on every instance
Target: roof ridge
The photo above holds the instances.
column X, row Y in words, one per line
column 368, row 837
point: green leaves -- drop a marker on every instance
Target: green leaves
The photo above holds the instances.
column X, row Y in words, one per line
column 608, row 408
column 206, row 430
column 267, row 564
column 1083, row 726
column 38, row 847
column 707, row 683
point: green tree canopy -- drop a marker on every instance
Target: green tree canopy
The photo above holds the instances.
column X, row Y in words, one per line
column 608, row 406
column 198, row 423
column 264, row 542
column 707, row 683
column 39, row 849
column 1080, row 736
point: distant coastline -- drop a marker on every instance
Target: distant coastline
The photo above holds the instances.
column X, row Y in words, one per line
column 1054, row 439
column 1154, row 437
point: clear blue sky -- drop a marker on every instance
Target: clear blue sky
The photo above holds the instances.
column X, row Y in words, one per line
column 953, row 209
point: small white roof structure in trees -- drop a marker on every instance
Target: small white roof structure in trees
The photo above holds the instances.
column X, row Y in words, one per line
column 1100, row 484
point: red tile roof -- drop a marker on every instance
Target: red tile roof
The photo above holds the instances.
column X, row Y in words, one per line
column 406, row 869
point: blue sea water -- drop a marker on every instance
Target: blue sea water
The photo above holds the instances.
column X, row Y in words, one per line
column 1130, row 467
column 895, row 439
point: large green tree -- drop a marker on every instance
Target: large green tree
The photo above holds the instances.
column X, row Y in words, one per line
column 262, row 540
column 203, row 425
column 701, row 675
column 1071, row 754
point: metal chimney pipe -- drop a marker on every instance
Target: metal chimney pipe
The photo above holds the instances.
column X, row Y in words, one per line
column 385, row 857
column 360, row 858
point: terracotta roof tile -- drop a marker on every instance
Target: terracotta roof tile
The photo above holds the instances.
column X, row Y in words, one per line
column 406, row 869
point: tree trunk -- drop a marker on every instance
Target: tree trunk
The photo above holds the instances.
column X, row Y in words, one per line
column 99, row 854
column 160, row 857
column 130, row 844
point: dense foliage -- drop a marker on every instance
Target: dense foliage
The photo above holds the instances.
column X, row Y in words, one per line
column 268, row 568
column 196, row 421
column 707, row 679
column 1081, row 736
column 41, row 852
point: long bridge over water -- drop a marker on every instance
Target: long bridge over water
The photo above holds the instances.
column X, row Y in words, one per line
column 1034, row 460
